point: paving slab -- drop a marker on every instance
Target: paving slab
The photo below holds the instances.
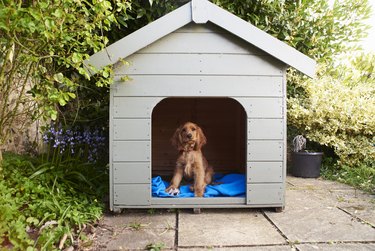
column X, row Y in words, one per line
column 134, row 230
column 355, row 202
column 217, row 228
column 302, row 199
column 316, row 184
column 338, row 247
column 150, row 219
column 321, row 225
column 319, row 215
column 140, row 239
column 315, row 193
column 248, row 248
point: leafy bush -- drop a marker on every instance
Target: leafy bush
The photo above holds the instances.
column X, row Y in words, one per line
column 43, row 45
column 361, row 177
column 337, row 110
column 316, row 28
column 39, row 208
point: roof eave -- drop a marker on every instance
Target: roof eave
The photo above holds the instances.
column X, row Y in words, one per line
column 262, row 40
column 138, row 40
column 202, row 11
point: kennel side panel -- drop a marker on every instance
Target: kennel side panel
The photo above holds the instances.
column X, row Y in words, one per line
column 198, row 86
column 111, row 187
column 201, row 64
column 265, row 194
column 264, row 172
column 262, row 107
column 265, row 129
column 285, row 134
column 133, row 151
column 258, row 150
column 134, row 107
column 132, row 194
column 131, row 172
column 131, row 129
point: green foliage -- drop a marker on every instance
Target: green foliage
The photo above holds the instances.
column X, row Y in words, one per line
column 338, row 111
column 43, row 45
column 155, row 246
column 361, row 177
column 315, row 28
column 38, row 211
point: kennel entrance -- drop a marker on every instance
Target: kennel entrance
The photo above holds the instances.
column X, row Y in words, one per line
column 224, row 123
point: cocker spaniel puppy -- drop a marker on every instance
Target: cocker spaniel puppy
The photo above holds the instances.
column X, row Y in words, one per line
column 189, row 139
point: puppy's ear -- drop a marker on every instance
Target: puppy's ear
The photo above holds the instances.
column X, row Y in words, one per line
column 176, row 139
column 201, row 139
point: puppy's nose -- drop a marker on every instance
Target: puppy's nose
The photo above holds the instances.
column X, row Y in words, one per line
column 189, row 135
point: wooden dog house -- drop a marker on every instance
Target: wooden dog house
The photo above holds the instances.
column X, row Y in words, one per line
column 203, row 64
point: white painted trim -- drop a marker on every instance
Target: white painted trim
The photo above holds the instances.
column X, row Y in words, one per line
column 201, row 11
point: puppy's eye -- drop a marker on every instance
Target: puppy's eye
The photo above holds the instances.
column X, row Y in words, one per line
column 193, row 129
column 184, row 130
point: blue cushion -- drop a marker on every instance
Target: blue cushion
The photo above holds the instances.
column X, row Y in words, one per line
column 230, row 185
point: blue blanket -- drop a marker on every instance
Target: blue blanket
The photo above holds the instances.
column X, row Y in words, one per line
column 230, row 185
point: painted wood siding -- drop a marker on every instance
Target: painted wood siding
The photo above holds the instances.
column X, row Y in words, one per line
column 198, row 86
column 197, row 61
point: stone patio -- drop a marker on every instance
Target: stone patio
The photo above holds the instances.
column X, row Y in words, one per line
column 319, row 215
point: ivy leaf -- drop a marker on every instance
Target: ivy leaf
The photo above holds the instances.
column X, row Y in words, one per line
column 59, row 77
column 53, row 115
column 76, row 57
column 105, row 74
column 49, row 23
column 72, row 95
column 62, row 101
column 58, row 13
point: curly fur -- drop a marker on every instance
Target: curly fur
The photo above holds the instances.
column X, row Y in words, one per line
column 189, row 140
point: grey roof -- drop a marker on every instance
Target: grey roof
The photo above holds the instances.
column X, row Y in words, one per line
column 200, row 12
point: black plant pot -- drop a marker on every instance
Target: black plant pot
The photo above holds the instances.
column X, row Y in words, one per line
column 306, row 165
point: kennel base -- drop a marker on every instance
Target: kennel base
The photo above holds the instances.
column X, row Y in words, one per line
column 220, row 202
column 258, row 196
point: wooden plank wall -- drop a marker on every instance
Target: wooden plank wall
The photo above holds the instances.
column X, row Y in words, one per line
column 231, row 89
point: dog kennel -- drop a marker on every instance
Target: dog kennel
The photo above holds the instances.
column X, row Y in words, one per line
column 199, row 63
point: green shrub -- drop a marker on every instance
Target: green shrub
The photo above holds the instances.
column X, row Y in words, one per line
column 337, row 109
column 361, row 177
column 36, row 212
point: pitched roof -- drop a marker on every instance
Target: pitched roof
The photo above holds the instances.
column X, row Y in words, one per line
column 200, row 12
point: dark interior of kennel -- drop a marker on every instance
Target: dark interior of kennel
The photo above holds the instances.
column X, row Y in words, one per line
column 224, row 124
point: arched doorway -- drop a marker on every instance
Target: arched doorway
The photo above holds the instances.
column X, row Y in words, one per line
column 223, row 121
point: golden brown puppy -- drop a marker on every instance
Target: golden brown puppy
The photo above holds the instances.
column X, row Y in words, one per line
column 189, row 139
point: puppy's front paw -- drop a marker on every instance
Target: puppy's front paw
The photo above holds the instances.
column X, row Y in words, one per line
column 173, row 191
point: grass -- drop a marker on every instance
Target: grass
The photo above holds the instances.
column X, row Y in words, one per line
column 41, row 202
column 155, row 246
column 361, row 177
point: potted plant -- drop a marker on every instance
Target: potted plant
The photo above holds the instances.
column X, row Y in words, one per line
column 305, row 164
